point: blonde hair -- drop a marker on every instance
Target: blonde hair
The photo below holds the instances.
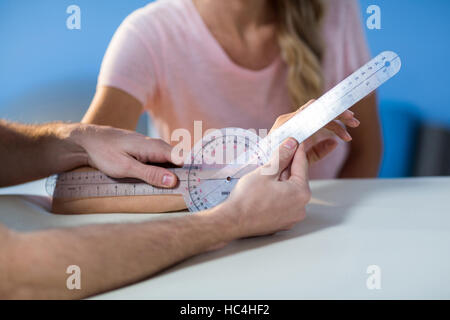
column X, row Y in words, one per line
column 300, row 41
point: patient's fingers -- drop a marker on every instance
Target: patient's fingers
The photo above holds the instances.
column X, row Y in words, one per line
column 305, row 105
column 285, row 117
column 339, row 130
column 348, row 118
column 320, row 150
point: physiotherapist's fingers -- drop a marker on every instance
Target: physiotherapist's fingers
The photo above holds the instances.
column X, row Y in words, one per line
column 299, row 166
column 320, row 150
column 285, row 174
column 282, row 157
column 152, row 150
column 166, row 150
column 156, row 176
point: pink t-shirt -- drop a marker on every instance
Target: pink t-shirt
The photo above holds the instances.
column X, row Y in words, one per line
column 165, row 56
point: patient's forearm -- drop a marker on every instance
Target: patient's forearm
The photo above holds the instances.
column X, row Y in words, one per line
column 109, row 256
column 30, row 152
column 125, row 204
column 122, row 204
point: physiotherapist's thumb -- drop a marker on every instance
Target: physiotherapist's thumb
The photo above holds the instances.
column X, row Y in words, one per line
column 283, row 156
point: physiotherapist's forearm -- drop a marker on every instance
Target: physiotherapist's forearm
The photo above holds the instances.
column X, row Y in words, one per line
column 29, row 152
column 109, row 256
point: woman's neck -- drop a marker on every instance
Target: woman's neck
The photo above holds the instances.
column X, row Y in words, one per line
column 245, row 29
column 239, row 14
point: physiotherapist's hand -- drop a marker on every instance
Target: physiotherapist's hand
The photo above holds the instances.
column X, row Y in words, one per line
column 322, row 142
column 121, row 153
column 263, row 204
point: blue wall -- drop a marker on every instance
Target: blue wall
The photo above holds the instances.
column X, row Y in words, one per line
column 37, row 48
column 419, row 31
column 48, row 72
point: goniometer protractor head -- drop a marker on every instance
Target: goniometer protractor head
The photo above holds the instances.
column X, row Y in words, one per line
column 216, row 164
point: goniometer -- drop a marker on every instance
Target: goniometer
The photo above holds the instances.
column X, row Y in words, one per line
column 218, row 161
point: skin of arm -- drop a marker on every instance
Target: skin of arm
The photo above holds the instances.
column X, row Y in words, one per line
column 113, row 107
column 30, row 152
column 33, row 265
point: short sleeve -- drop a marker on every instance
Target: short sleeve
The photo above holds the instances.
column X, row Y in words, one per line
column 356, row 49
column 128, row 63
column 346, row 47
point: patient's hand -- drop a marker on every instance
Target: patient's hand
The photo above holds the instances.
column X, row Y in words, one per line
column 322, row 143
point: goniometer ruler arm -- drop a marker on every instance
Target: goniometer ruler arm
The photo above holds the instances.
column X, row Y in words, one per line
column 333, row 103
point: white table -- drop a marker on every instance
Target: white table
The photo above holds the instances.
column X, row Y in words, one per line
column 402, row 226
